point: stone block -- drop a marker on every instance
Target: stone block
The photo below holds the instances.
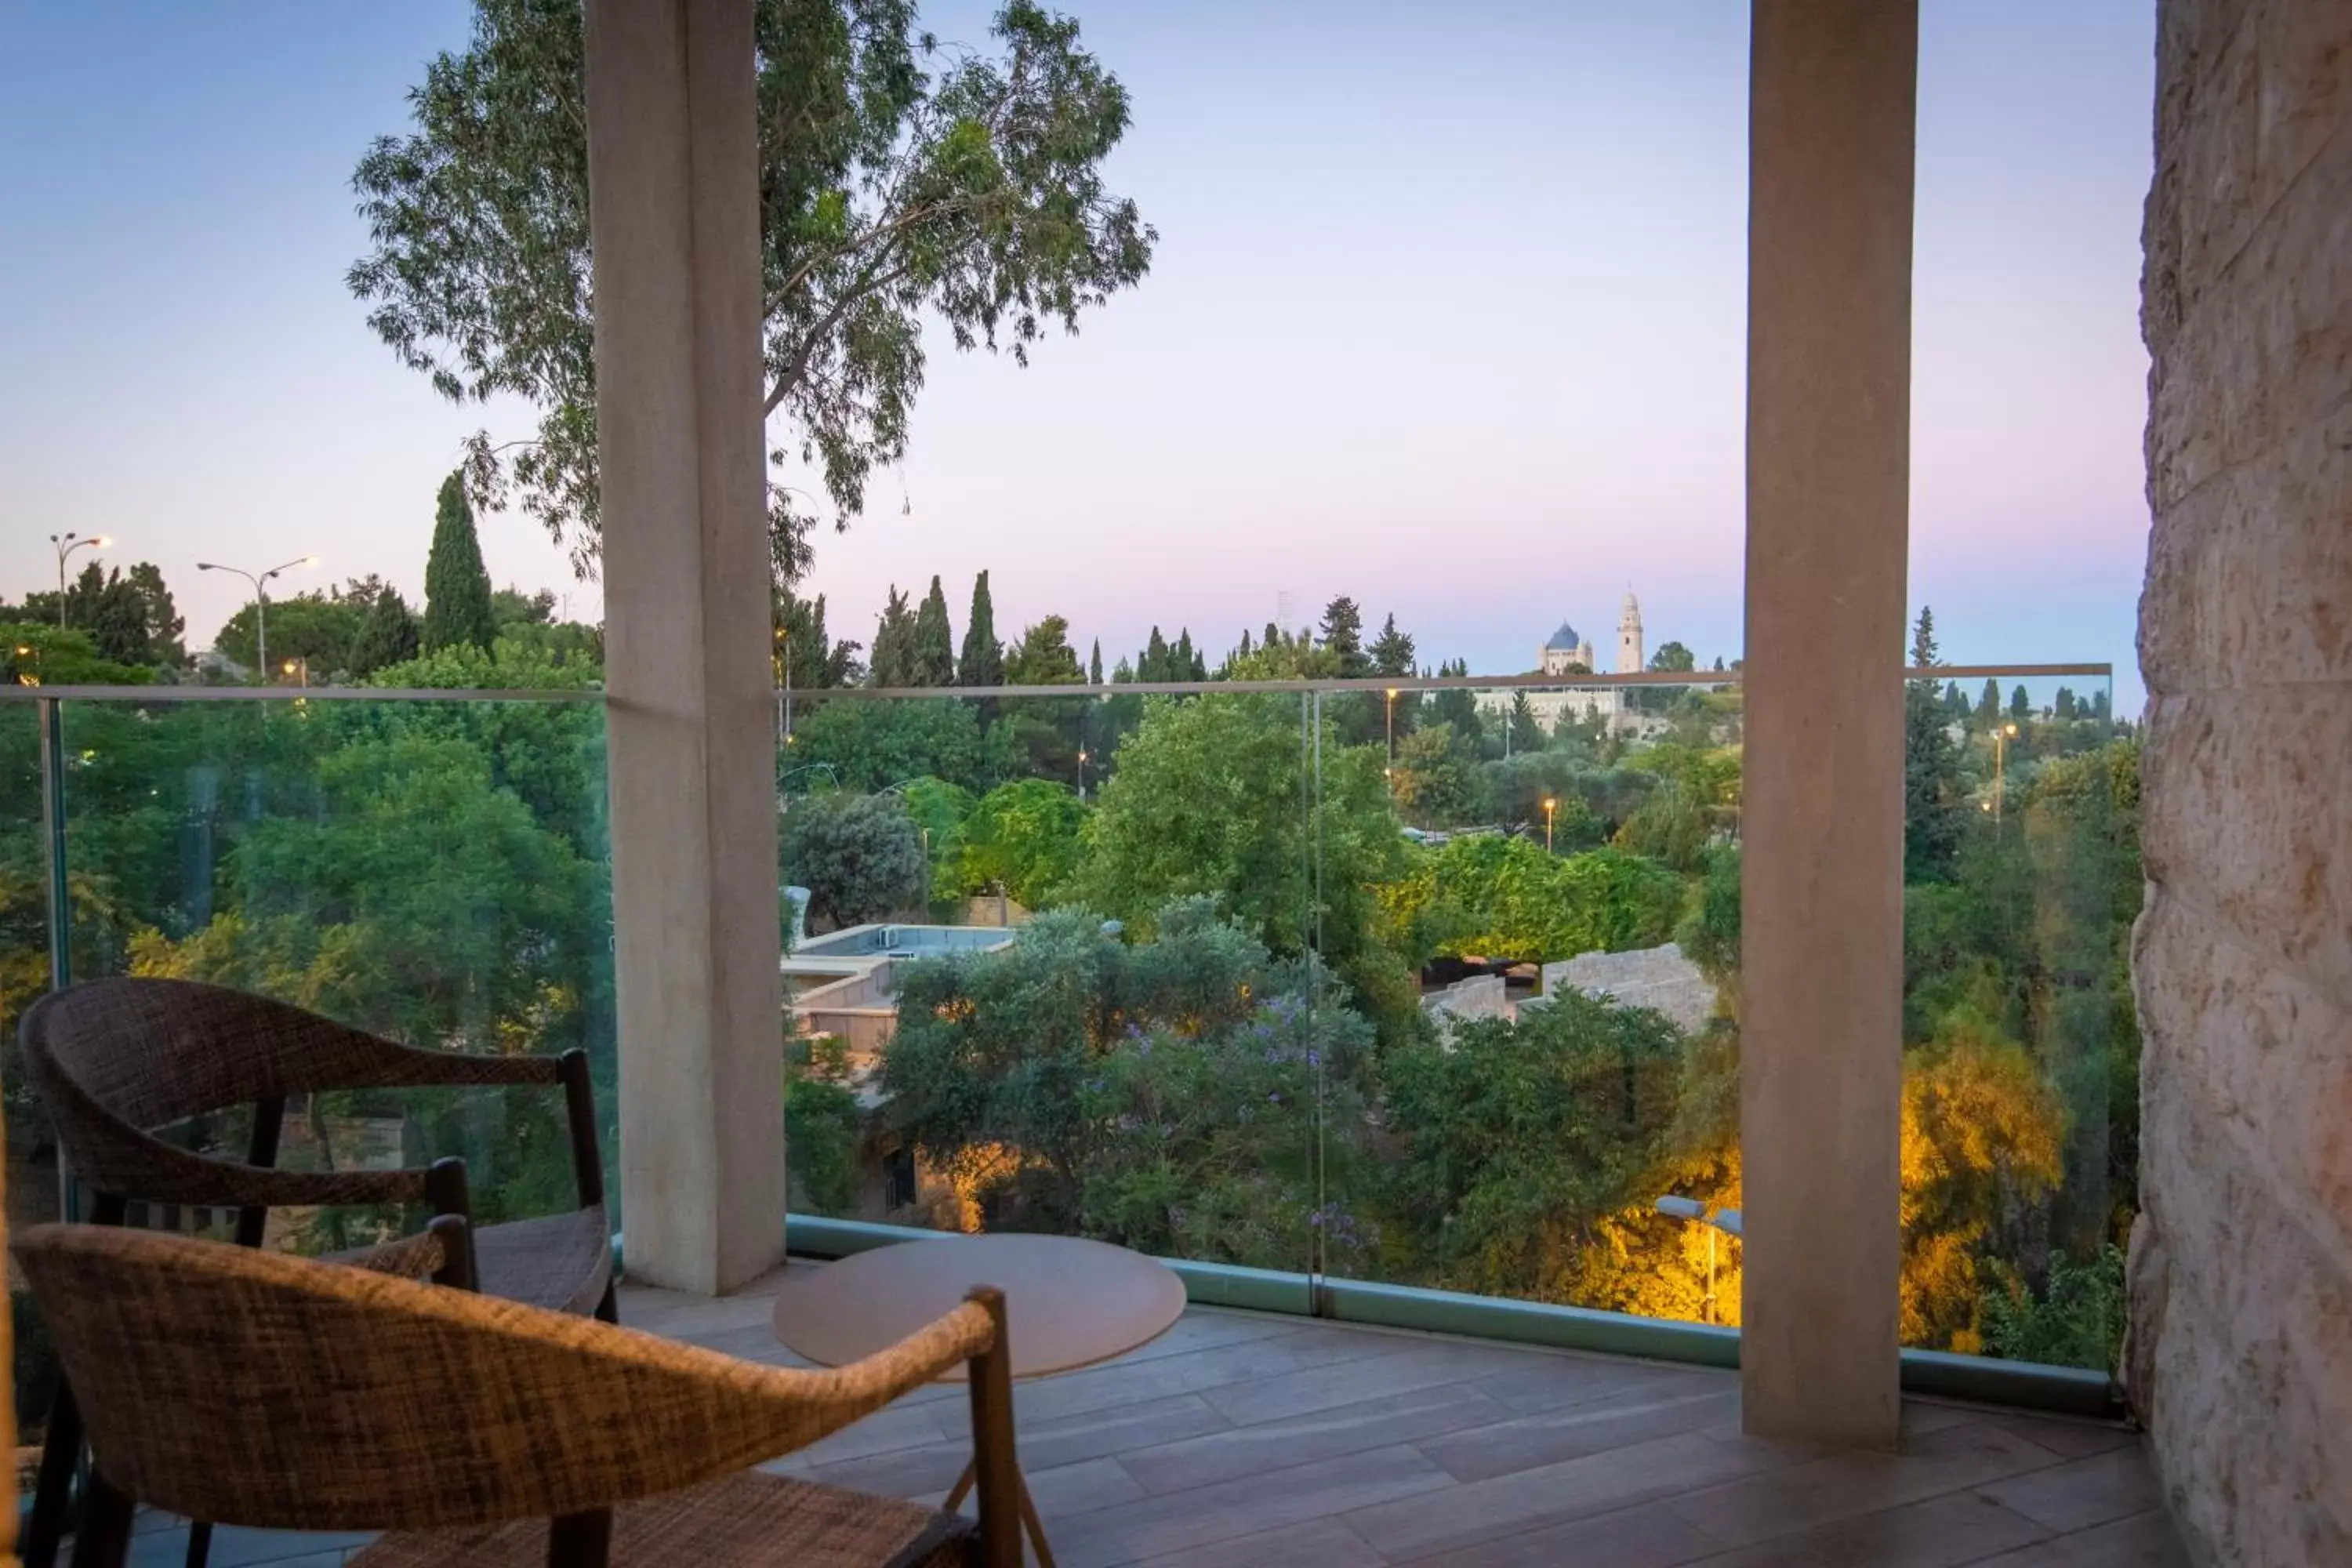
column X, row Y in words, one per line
column 2246, row 813
column 2262, row 345
column 2264, row 1053
column 2303, row 55
column 2238, row 1370
column 2250, row 578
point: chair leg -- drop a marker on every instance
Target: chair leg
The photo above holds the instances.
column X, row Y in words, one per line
column 200, row 1543
column 104, row 1539
column 580, row 1540
column 609, row 1309
column 53, row 1493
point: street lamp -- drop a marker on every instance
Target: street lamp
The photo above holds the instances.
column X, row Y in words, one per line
column 2001, row 736
column 1082, row 774
column 260, row 602
column 1550, row 805
column 65, row 544
column 1724, row 1220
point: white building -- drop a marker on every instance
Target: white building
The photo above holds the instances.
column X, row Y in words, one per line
column 1566, row 653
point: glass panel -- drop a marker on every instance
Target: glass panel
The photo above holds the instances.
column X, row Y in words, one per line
column 1049, row 970
column 1545, row 950
column 433, row 871
column 32, row 1172
column 2020, row 1050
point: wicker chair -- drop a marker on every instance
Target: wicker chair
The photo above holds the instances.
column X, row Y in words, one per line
column 275, row 1391
column 113, row 1059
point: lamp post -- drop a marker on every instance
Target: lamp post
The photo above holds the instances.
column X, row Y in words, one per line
column 2001, row 736
column 784, row 679
column 301, row 668
column 1726, row 1221
column 1082, row 775
column 260, row 602
column 1550, row 805
column 65, row 544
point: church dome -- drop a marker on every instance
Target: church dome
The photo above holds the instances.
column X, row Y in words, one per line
column 1564, row 640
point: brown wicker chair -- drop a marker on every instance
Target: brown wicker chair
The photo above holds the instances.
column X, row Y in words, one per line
column 114, row 1060
column 275, row 1391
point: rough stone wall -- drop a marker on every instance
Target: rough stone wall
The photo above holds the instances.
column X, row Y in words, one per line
column 2241, row 1354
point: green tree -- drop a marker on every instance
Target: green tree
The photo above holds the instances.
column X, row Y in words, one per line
column 1458, row 705
column 317, row 629
column 456, row 588
column 387, row 635
column 859, row 855
column 1526, row 730
column 983, row 663
column 1023, row 837
column 1931, row 769
column 36, row 653
column 1673, row 658
column 893, row 644
column 1094, row 664
column 934, row 661
column 871, row 745
column 1207, row 801
column 511, row 607
column 2021, row 706
column 1157, row 1092
column 817, row 661
column 1988, row 705
column 897, row 179
column 1437, row 780
column 1049, row 732
column 1391, row 652
column 1498, row 896
column 1520, row 1138
column 1343, row 637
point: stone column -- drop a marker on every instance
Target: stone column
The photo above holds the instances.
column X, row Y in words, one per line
column 2241, row 1344
column 673, row 168
column 1829, row 370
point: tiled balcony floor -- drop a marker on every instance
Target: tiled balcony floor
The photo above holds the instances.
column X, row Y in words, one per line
column 1238, row 1439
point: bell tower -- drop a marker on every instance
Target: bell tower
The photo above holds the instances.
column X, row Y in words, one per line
column 1628, row 635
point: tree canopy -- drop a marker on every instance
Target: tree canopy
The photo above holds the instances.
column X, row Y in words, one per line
column 899, row 177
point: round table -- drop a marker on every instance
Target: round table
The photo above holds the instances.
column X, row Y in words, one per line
column 1068, row 1303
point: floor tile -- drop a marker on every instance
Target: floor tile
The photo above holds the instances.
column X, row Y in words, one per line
column 1326, row 1434
column 1822, row 1491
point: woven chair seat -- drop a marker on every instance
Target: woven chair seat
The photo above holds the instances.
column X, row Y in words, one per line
column 561, row 1262
column 748, row 1521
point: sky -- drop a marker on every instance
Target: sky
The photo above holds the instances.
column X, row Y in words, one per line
column 1447, row 313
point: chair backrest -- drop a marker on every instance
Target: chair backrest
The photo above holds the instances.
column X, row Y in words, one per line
column 256, row 1389
column 114, row 1059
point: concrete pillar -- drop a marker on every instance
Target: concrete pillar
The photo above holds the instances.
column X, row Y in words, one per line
column 673, row 172
column 1832, row 86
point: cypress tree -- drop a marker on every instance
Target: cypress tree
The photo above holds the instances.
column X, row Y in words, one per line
column 934, row 641
column 1094, row 664
column 1988, row 705
column 387, row 635
column 893, row 643
column 456, row 588
column 983, row 659
column 2021, row 706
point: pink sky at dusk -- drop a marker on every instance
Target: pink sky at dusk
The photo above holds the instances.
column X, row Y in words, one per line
column 1447, row 314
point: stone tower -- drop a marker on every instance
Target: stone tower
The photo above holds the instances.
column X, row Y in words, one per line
column 1628, row 635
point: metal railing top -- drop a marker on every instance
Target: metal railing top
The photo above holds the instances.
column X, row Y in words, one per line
column 1373, row 684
